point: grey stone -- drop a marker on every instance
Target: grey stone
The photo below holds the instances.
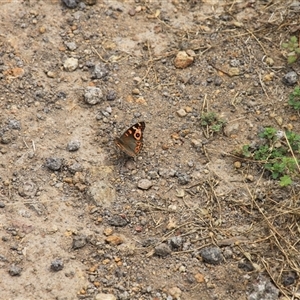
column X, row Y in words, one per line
column 73, row 146
column 183, row 178
column 70, row 3
column 100, row 71
column 57, row 265
column 162, row 250
column 181, row 113
column 93, row 95
column 290, row 78
column 117, row 220
column 144, row 184
column 71, row 64
column 14, row 124
column 53, row 163
column 79, row 241
column 212, row 255
column 111, row 95
column 76, row 167
column 71, row 46
column 175, row 242
column 263, row 289
column 15, row 270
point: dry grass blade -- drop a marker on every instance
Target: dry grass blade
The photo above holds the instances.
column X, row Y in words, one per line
column 280, row 220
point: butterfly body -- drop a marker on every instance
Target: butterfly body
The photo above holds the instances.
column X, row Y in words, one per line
column 131, row 141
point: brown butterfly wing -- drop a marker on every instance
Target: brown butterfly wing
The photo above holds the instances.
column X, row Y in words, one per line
column 131, row 141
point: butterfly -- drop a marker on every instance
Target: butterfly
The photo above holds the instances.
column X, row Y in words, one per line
column 131, row 141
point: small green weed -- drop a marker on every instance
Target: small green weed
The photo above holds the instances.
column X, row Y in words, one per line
column 294, row 50
column 275, row 154
column 212, row 122
column 268, row 133
column 294, row 98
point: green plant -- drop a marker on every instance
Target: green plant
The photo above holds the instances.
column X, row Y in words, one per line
column 294, row 98
column 275, row 155
column 268, row 133
column 294, row 140
column 285, row 180
column 293, row 47
column 246, row 151
column 212, row 122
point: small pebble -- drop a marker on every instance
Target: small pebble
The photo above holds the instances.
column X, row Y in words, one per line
column 183, row 179
column 79, row 241
column 237, row 164
column 2, row 205
column 199, row 277
column 100, row 71
column 234, row 62
column 75, row 167
column 182, row 269
column 228, row 253
column 14, row 124
column 102, row 296
column 289, row 278
column 135, row 91
column 42, row 29
column 137, row 80
column 144, row 184
column 269, row 61
column 111, row 95
column 250, row 177
column 70, row 3
column 181, row 113
column 175, row 292
column 114, row 240
column 51, row 74
column 183, row 60
column 71, row 46
column 57, row 265
column 53, row 163
column 234, row 71
column 196, row 143
column 290, row 78
column 117, row 220
column 176, row 242
column 73, row 146
column 212, row 255
column 263, row 288
column 93, row 95
column 162, row 250
column 218, row 81
column 15, row 270
column 71, row 64
column 108, row 231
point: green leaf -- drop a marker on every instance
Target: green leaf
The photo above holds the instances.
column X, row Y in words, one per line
column 294, row 39
column 268, row 133
column 245, row 150
column 292, row 59
column 285, row 180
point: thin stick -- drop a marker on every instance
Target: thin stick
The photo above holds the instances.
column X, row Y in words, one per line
column 291, row 151
column 99, row 55
column 33, row 145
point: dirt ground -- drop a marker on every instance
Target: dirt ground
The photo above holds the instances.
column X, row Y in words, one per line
column 187, row 218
